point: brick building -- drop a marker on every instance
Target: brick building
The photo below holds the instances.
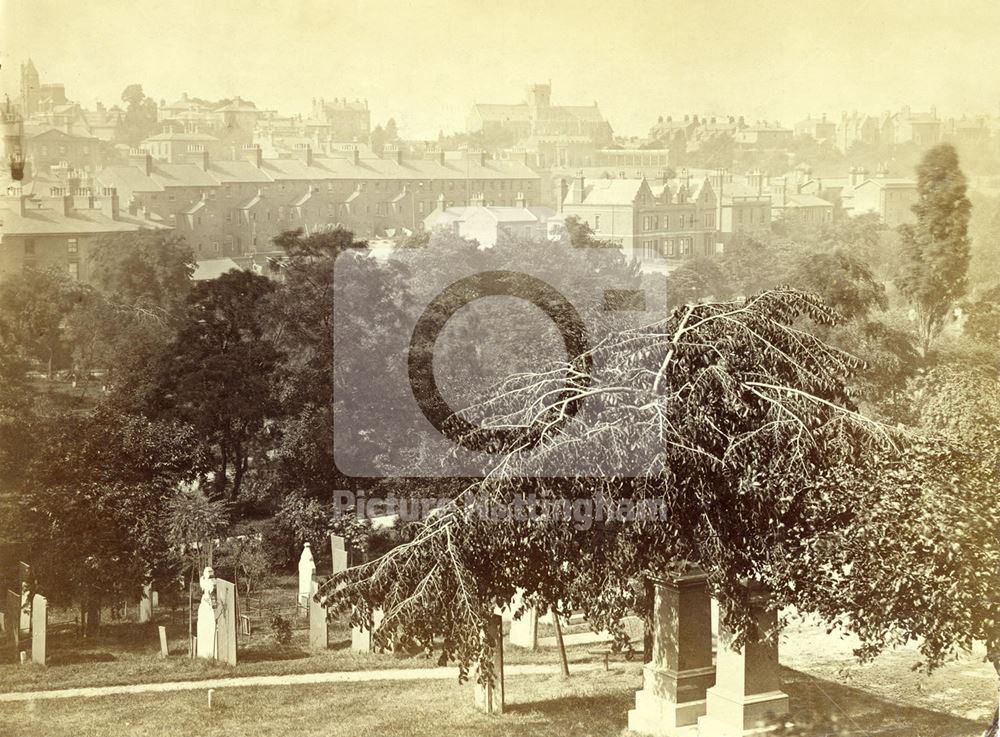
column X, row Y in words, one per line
column 59, row 230
column 655, row 223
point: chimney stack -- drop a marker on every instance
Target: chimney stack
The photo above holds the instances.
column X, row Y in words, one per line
column 142, row 159
column 253, row 154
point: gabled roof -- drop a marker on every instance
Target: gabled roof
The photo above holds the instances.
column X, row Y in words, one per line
column 238, row 106
column 806, row 200
column 55, row 133
column 612, row 191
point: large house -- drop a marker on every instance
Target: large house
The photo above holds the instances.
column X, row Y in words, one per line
column 654, row 223
column 59, row 230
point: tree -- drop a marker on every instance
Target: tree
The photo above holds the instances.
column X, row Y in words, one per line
column 148, row 270
column 34, row 306
column 140, row 115
column 219, row 373
column 697, row 279
column 391, row 131
column 983, row 320
column 935, row 250
column 95, row 501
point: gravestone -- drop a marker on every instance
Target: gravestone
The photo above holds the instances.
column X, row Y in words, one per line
column 206, row 615
column 318, row 625
column 524, row 629
column 225, row 621
column 489, row 697
column 362, row 639
column 164, row 651
column 747, row 696
column 39, row 627
column 146, row 604
column 307, row 569
column 680, row 671
column 24, row 620
column 338, row 554
column 12, row 607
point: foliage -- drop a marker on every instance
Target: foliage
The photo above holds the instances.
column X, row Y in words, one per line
column 695, row 279
column 148, row 270
column 983, row 317
column 94, row 509
column 281, row 630
column 734, row 420
column 935, row 251
column 193, row 522
column 34, row 306
column 140, row 115
column 219, row 372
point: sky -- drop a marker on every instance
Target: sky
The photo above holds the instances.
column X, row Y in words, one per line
column 426, row 63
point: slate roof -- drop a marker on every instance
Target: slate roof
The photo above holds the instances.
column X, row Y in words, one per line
column 41, row 218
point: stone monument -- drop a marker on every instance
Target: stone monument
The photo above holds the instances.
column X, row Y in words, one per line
column 747, row 698
column 146, row 604
column 206, row 615
column 318, row 625
column 226, row 615
column 307, row 569
column 680, row 671
column 338, row 554
column 39, row 627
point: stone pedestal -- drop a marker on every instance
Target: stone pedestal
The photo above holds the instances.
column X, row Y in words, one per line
column 747, row 698
column 675, row 681
column 489, row 697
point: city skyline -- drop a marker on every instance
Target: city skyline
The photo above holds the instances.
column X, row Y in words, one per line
column 782, row 63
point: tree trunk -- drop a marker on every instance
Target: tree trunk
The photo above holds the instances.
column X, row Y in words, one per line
column 239, row 469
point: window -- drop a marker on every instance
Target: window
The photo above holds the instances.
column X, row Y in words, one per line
column 45, row 150
column 74, row 270
column 171, row 197
column 72, row 246
column 668, row 246
column 685, row 244
column 651, row 249
column 62, row 150
column 420, row 207
column 29, row 247
column 597, row 222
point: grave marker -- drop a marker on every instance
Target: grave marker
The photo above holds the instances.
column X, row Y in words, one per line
column 164, row 652
column 307, row 569
column 318, row 625
column 225, row 619
column 338, row 554
column 146, row 604
column 13, row 609
column 39, row 627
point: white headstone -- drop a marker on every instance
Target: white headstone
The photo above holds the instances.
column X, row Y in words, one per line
column 206, row 616
column 146, row 604
column 307, row 569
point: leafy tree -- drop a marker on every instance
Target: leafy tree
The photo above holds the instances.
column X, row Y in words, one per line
column 391, row 131
column 984, row 234
column 148, row 270
column 983, row 317
column 696, row 279
column 935, row 251
column 34, row 306
column 219, row 371
column 94, row 508
column 300, row 321
column 140, row 115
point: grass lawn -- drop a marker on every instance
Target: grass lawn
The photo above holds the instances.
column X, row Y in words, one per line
column 125, row 652
column 588, row 704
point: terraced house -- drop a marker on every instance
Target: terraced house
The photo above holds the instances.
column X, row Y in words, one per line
column 225, row 208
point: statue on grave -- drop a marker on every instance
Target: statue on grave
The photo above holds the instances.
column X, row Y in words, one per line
column 206, row 615
column 307, row 569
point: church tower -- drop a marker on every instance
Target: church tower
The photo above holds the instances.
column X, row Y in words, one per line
column 29, row 89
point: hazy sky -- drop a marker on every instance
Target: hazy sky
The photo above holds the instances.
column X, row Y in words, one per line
column 425, row 63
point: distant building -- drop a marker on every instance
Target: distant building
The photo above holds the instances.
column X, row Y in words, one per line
column 763, row 137
column 891, row 198
column 59, row 230
column 235, row 207
column 178, row 148
column 654, row 223
column 486, row 224
column 55, row 148
column 819, row 129
column 536, row 116
column 339, row 120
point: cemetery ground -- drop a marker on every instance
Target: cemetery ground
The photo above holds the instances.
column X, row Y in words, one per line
column 885, row 697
